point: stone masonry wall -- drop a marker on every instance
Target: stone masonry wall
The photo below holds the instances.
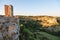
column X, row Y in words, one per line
column 9, row 29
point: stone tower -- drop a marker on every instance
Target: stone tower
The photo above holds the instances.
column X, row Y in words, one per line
column 8, row 10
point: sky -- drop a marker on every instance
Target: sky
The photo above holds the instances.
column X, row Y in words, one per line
column 32, row 7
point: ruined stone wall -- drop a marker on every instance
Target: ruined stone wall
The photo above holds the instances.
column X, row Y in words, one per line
column 9, row 29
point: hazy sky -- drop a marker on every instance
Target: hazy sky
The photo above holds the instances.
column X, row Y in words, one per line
column 33, row 7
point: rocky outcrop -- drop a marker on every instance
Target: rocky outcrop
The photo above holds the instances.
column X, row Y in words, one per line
column 9, row 29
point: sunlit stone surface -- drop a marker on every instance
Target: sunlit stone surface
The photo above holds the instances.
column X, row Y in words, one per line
column 9, row 29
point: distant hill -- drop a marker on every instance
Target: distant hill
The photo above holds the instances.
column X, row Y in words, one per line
column 45, row 21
